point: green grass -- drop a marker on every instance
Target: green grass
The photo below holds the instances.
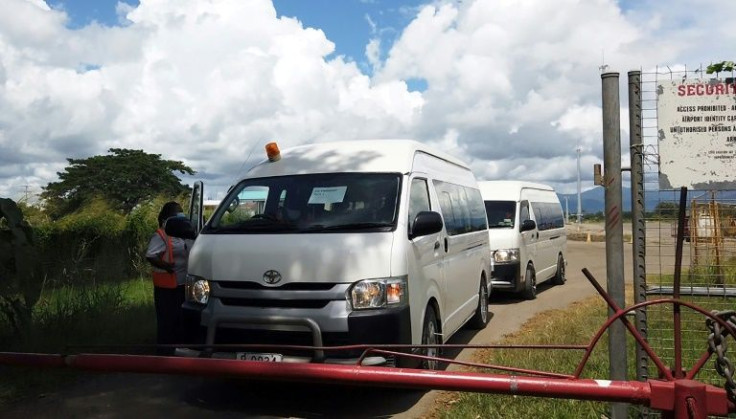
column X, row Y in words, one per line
column 694, row 334
column 705, row 273
column 576, row 325
column 79, row 319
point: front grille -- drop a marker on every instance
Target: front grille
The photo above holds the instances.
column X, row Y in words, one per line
column 291, row 286
column 275, row 337
column 268, row 303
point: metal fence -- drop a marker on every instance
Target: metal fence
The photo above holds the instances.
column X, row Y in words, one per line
column 708, row 262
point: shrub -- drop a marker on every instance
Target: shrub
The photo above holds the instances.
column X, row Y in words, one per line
column 20, row 278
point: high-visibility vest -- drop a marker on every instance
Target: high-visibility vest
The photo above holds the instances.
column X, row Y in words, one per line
column 165, row 279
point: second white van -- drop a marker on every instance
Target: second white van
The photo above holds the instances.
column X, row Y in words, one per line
column 527, row 232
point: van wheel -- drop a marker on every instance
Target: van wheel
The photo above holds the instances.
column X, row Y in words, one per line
column 559, row 277
column 481, row 317
column 530, row 284
column 430, row 332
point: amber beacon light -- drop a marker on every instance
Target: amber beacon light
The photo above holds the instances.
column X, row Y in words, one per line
column 272, row 151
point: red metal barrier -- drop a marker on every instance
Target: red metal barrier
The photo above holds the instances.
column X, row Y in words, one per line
column 676, row 395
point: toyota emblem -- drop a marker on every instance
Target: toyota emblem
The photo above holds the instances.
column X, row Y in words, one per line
column 271, row 277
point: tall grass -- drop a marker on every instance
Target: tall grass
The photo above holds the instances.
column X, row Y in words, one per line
column 695, row 333
column 87, row 302
column 574, row 325
column 577, row 325
column 108, row 317
column 705, row 273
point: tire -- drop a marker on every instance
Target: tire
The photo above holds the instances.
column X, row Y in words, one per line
column 430, row 333
column 530, row 284
column 559, row 278
column 481, row 317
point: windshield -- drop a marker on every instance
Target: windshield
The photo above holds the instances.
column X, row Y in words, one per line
column 329, row 202
column 501, row 213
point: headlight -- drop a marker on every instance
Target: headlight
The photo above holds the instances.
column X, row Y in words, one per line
column 506, row 255
column 197, row 290
column 378, row 293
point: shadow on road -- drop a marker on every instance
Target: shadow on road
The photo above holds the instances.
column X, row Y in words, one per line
column 303, row 400
column 505, row 298
column 183, row 397
column 256, row 398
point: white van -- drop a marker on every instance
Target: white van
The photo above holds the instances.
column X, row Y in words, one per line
column 527, row 233
column 359, row 242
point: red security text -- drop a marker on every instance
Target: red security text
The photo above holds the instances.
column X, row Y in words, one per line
column 706, row 89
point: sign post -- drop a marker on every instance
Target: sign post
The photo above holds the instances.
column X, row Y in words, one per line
column 614, row 229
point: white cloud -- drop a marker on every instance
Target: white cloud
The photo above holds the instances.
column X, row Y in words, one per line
column 512, row 85
column 203, row 82
column 373, row 53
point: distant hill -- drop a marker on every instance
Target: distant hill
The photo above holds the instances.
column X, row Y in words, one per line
column 593, row 200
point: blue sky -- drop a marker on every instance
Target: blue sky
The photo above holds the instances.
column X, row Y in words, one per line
column 350, row 24
column 84, row 12
column 511, row 86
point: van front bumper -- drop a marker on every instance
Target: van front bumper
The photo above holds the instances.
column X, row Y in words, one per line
column 507, row 277
column 276, row 331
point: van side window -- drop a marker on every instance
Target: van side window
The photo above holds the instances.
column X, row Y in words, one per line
column 558, row 219
column 479, row 220
column 539, row 215
column 524, row 211
column 418, row 199
column 462, row 208
column 448, row 212
column 549, row 215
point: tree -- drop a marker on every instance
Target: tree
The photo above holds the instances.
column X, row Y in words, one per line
column 718, row 67
column 666, row 209
column 123, row 179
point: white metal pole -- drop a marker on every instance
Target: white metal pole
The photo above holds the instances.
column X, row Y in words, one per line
column 580, row 199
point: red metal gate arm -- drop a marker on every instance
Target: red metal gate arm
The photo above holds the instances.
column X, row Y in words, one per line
column 668, row 396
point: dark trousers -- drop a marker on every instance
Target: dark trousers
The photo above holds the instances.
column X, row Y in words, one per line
column 169, row 318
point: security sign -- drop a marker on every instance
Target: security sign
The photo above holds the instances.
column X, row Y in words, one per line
column 697, row 134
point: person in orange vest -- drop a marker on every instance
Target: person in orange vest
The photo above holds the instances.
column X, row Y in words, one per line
column 168, row 256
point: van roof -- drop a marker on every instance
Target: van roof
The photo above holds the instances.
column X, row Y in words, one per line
column 508, row 189
column 385, row 155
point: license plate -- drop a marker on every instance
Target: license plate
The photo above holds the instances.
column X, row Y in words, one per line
column 255, row 356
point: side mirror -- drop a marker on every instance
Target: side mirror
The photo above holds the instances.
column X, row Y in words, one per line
column 234, row 204
column 426, row 222
column 179, row 227
column 527, row 225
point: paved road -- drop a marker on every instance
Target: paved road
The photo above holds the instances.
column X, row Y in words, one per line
column 139, row 395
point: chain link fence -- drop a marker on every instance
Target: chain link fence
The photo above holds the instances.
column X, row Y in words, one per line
column 708, row 263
